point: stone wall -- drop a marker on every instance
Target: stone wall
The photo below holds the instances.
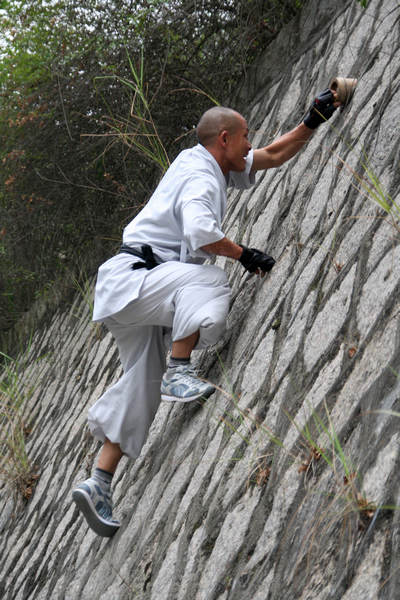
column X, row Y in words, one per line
column 280, row 486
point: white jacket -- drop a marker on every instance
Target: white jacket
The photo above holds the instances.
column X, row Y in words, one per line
column 184, row 213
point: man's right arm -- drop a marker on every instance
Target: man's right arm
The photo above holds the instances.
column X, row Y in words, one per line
column 224, row 247
column 251, row 259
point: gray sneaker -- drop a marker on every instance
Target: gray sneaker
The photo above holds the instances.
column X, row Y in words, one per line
column 95, row 505
column 182, row 384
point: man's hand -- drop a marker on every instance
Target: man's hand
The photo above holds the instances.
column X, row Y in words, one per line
column 255, row 261
column 321, row 109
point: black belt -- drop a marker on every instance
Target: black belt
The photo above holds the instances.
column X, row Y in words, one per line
column 145, row 253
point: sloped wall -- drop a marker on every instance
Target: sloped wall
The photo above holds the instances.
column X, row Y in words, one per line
column 227, row 500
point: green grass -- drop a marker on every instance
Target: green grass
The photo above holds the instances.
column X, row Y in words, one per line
column 138, row 130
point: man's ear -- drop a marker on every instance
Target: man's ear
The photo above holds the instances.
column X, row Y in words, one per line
column 223, row 137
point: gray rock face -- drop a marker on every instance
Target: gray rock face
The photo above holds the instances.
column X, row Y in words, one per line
column 282, row 485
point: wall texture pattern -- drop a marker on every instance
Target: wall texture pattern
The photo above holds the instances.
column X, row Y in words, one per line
column 230, row 500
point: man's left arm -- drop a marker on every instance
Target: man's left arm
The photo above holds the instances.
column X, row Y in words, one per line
column 282, row 149
column 287, row 145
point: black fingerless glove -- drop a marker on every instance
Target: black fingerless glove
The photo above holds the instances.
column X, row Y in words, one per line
column 320, row 110
column 253, row 259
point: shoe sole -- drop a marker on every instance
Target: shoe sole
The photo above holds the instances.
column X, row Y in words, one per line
column 168, row 398
column 95, row 522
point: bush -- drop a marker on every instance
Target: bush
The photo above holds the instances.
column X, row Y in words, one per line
column 67, row 183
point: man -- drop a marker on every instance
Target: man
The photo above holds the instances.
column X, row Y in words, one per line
column 158, row 284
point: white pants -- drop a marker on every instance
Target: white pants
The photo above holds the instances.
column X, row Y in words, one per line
column 179, row 296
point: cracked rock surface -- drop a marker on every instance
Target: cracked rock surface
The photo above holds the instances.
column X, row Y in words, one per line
column 282, row 485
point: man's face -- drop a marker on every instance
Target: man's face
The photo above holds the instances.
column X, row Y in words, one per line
column 238, row 146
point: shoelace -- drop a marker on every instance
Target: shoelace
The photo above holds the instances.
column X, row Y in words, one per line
column 188, row 375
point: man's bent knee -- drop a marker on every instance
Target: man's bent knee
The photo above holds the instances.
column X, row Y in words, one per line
column 214, row 275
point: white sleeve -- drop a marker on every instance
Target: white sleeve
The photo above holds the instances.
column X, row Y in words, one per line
column 243, row 179
column 199, row 219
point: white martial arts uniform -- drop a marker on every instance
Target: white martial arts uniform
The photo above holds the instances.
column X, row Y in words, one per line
column 179, row 295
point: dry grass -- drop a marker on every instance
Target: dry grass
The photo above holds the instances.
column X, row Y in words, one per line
column 16, row 469
column 17, row 472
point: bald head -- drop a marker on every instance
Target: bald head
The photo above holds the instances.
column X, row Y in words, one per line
column 215, row 120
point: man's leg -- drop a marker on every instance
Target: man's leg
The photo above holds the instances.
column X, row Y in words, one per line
column 124, row 414
column 183, row 348
column 191, row 299
column 180, row 382
column 109, row 457
column 93, row 496
column 201, row 303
